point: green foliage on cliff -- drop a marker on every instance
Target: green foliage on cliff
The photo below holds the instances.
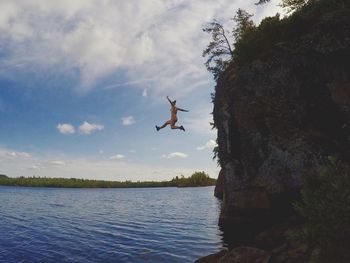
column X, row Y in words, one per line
column 293, row 4
column 289, row 4
column 2, row 176
column 220, row 49
column 326, row 208
column 313, row 26
column 302, row 30
column 196, row 179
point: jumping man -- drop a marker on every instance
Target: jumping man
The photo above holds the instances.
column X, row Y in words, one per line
column 173, row 118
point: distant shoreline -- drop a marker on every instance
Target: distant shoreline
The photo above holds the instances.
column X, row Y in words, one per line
column 198, row 179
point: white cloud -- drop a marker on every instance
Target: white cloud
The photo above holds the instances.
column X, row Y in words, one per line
column 58, row 163
column 208, row 145
column 175, row 155
column 117, row 157
column 34, row 167
column 129, row 120
column 88, row 128
column 145, row 93
column 65, row 128
column 13, row 154
column 158, row 41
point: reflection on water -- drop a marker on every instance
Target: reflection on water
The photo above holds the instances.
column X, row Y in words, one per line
column 242, row 227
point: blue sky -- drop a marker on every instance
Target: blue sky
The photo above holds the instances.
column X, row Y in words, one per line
column 83, row 83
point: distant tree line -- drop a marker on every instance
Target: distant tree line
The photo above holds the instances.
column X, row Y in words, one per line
column 196, row 179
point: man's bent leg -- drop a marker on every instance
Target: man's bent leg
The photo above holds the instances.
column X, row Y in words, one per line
column 163, row 126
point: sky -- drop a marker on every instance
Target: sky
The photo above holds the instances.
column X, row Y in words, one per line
column 84, row 82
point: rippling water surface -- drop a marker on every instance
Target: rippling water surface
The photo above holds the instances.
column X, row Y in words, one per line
column 107, row 225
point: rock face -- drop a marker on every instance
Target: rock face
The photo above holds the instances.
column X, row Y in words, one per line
column 279, row 116
column 238, row 255
column 291, row 253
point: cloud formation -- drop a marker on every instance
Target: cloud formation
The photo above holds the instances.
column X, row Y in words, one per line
column 208, row 145
column 34, row 167
column 65, row 128
column 175, row 155
column 88, row 128
column 117, row 157
column 13, row 154
column 145, row 93
column 129, row 120
column 58, row 163
column 159, row 41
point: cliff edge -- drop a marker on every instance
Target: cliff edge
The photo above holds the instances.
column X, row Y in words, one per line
column 281, row 111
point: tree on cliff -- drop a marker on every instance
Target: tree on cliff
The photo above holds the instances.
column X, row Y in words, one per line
column 220, row 49
column 291, row 5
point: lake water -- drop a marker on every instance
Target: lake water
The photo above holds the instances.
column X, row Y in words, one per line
column 108, row 225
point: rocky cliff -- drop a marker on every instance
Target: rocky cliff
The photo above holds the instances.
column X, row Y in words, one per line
column 279, row 114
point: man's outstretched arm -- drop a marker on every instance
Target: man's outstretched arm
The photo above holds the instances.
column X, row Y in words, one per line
column 169, row 100
column 182, row 110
